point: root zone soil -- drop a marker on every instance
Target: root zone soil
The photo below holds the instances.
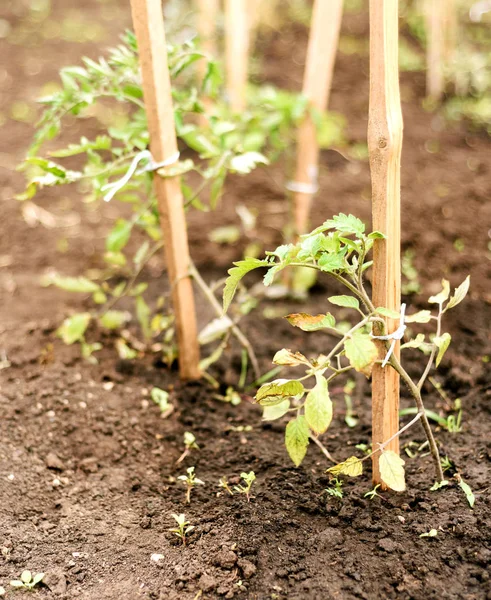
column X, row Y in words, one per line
column 87, row 466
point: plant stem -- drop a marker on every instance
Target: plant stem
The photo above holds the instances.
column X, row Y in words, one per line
column 193, row 271
column 323, row 449
column 433, row 351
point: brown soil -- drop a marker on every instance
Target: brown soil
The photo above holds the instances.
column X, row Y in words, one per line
column 91, row 430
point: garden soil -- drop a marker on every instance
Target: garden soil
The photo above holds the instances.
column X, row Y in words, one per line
column 88, row 466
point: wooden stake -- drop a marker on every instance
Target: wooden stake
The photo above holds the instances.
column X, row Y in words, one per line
column 319, row 67
column 436, row 19
column 148, row 22
column 206, row 26
column 384, row 145
column 237, row 19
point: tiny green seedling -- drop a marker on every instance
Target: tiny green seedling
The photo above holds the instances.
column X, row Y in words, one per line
column 183, row 528
column 27, row 580
column 447, row 464
column 191, row 481
column 439, row 485
column 336, row 489
column 190, row 444
column 223, row 483
column 161, row 399
column 372, row 493
column 430, row 533
column 248, row 479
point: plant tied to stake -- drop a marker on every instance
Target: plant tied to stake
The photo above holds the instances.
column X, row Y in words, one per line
column 340, row 247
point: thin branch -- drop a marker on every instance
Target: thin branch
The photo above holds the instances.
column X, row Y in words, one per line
column 323, row 449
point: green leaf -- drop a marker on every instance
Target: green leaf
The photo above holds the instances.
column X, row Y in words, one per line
column 465, row 487
column 73, row 329
column 346, row 301
column 26, row 576
column 16, row 583
column 289, row 359
column 37, row 578
column 160, row 397
column 460, row 293
column 241, row 268
column 271, row 413
column 308, row 322
column 276, row 391
column 443, row 295
column 391, row 468
column 423, row 316
column 438, row 485
column 114, row 319
column 361, row 352
column 228, row 234
column 352, row 466
column 74, row 284
column 387, row 312
column 297, row 439
column 119, row 235
column 318, row 406
column 245, row 163
column 143, row 316
column 346, row 224
column 376, row 235
column 416, row 343
column 331, row 262
column 430, row 533
column 442, row 343
column 215, row 329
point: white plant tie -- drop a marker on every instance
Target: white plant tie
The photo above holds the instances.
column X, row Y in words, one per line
column 115, row 186
column 478, row 9
column 397, row 335
column 300, row 187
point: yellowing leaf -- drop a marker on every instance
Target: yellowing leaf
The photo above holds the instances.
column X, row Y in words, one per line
column 391, row 468
column 423, row 316
column 318, row 406
column 289, row 359
column 271, row 413
column 72, row 329
column 460, row 293
column 352, row 466
column 443, row 295
column 113, row 319
column 361, row 352
column 276, row 391
column 297, row 439
column 311, row 322
column 442, row 343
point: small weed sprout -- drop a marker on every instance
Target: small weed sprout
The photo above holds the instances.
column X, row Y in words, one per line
column 248, row 479
column 183, row 528
column 161, row 399
column 372, row 493
column 223, row 483
column 191, row 481
column 27, row 580
column 190, row 444
column 337, row 488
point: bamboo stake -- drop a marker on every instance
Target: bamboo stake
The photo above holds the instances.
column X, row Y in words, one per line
column 148, row 22
column 237, row 21
column 436, row 19
column 384, row 145
column 206, row 26
column 321, row 54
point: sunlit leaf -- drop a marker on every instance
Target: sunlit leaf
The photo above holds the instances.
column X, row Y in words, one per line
column 443, row 295
column 114, row 319
column 73, row 284
column 346, row 301
column 289, row 359
column 391, row 468
column 416, row 343
column 236, row 273
column 460, row 293
column 361, row 351
column 297, row 439
column 271, row 413
column 143, row 316
column 311, row 322
column 245, row 163
column 352, row 466
column 442, row 343
column 119, row 235
column 278, row 390
column 214, row 330
column 73, row 329
column 318, row 406
column 423, row 316
column 387, row 312
column 465, row 487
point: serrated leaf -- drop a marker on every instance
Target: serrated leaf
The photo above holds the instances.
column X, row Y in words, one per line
column 308, row 322
column 318, row 406
column 74, row 284
column 352, row 466
column 391, row 468
column 114, row 319
column 245, row 163
column 278, row 390
column 361, row 352
column 271, row 413
column 442, row 343
column 443, row 295
column 289, row 359
column 465, row 487
column 460, row 293
column 119, row 235
column 416, row 343
column 297, row 439
column 331, row 262
column 73, row 329
column 271, row 273
column 241, row 268
column 387, row 312
column 346, row 224
column 346, row 301
column 423, row 316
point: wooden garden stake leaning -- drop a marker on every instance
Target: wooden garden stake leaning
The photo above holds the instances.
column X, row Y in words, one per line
column 206, row 24
column 237, row 21
column 319, row 67
column 436, row 24
column 384, row 145
column 148, row 22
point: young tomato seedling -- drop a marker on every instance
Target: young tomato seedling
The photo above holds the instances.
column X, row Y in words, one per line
column 340, row 248
column 190, row 481
column 189, row 444
column 27, row 580
column 183, row 527
column 248, row 479
column 223, row 483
